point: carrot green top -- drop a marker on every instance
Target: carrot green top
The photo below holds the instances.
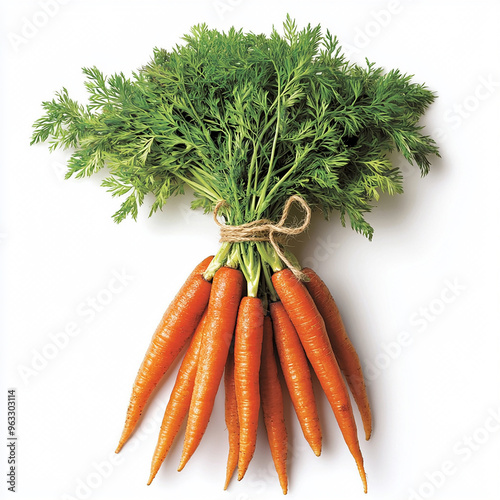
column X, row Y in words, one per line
column 249, row 119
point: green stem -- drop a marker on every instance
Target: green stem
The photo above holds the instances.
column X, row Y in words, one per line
column 263, row 132
column 251, row 168
column 233, row 259
column 279, row 183
column 206, row 179
column 269, row 256
column 273, row 151
column 250, row 266
column 218, row 261
column 269, row 282
column 292, row 259
column 199, row 188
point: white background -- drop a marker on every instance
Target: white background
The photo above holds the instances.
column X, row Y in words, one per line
column 420, row 301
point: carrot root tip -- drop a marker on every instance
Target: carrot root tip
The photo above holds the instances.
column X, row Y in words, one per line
column 363, row 479
column 182, row 464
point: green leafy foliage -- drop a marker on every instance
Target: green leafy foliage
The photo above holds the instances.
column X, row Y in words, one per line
column 248, row 119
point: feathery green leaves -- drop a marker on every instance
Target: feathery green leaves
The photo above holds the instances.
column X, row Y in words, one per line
column 248, row 119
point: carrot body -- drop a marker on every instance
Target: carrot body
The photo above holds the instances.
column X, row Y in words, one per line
column 247, row 351
column 180, row 398
column 312, row 333
column 232, row 423
column 343, row 349
column 176, row 327
column 297, row 375
column 227, row 289
column 272, row 405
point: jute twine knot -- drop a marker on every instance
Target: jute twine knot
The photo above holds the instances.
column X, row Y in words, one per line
column 266, row 230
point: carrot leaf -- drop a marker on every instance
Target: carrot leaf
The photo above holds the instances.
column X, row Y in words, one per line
column 250, row 119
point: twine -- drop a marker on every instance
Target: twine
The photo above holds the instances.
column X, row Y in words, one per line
column 265, row 230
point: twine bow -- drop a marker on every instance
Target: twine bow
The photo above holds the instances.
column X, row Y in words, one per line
column 266, row 230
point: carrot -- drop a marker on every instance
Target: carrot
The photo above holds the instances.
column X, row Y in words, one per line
column 232, row 423
column 247, row 350
column 227, row 289
column 176, row 327
column 272, row 405
column 343, row 349
column 180, row 398
column 312, row 333
column 297, row 375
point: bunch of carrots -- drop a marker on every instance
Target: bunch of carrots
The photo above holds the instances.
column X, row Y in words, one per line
column 243, row 340
column 250, row 124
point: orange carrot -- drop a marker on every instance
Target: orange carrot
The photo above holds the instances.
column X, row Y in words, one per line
column 312, row 333
column 176, row 327
column 272, row 405
column 227, row 289
column 297, row 375
column 247, row 350
column 343, row 349
column 180, row 398
column 231, row 414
